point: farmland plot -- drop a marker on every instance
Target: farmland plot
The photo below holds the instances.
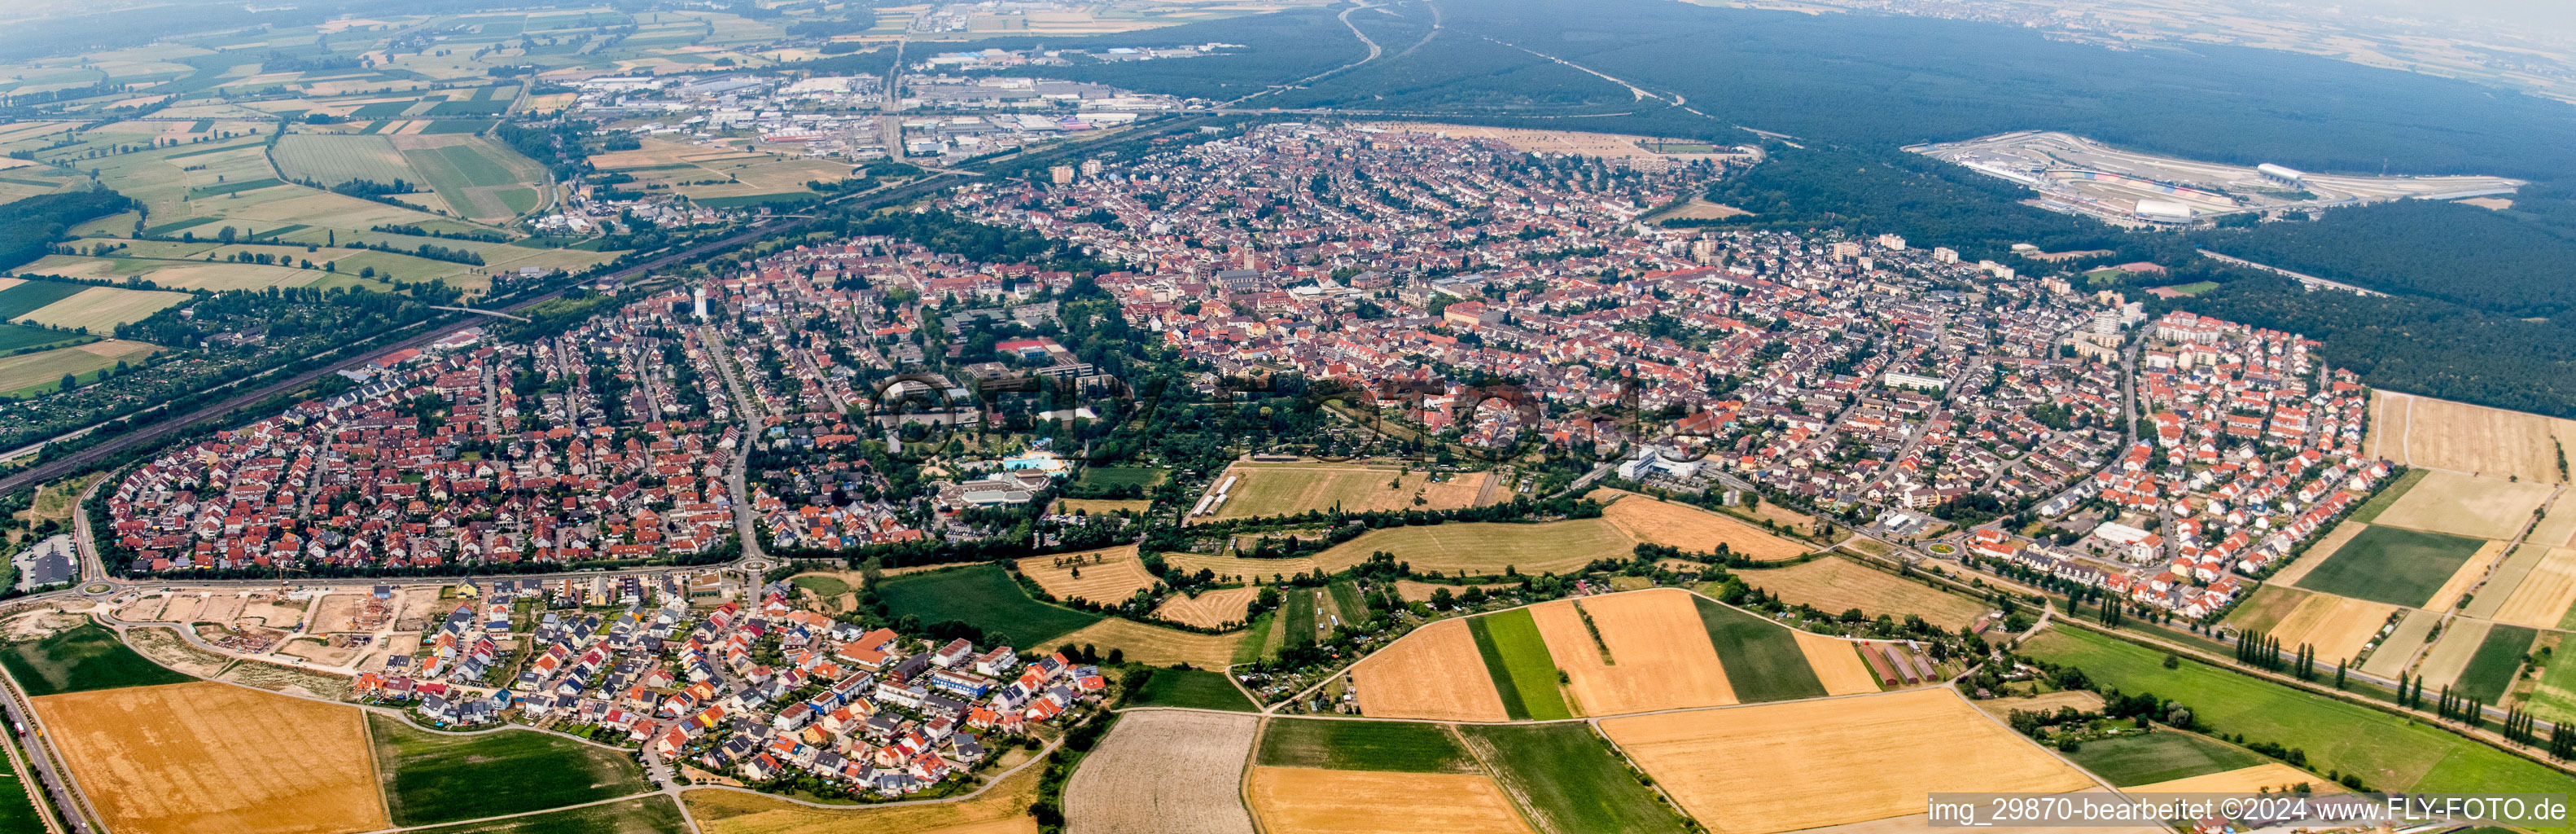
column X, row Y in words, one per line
column 1691, row 528
column 1210, row 609
column 2463, row 505
column 1103, row 576
column 1656, row 655
column 2422, row 431
column 1293, row 800
column 208, row 758
column 101, row 309
column 1433, row 673
column 1835, row 584
column 1288, row 489
column 1164, row 771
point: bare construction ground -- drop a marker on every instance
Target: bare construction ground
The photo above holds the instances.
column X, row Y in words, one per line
column 208, row 758
column 1658, row 653
column 2463, row 505
column 1433, row 673
column 1297, row 800
column 2422, row 431
column 1164, row 771
column 1803, row 764
column 166, row 647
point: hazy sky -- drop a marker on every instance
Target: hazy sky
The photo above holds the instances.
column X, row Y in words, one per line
column 2554, row 14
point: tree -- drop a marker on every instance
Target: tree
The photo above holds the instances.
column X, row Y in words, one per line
column 70, row 382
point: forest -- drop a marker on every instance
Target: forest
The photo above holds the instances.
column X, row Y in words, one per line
column 2450, row 251
column 29, row 226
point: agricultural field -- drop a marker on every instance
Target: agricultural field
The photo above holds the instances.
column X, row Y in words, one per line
column 1693, row 529
column 2490, row 669
column 983, row 596
column 1194, row 688
column 431, row 778
column 21, row 297
column 1108, row 576
column 2542, row 598
column 1837, row 664
column 1482, row 548
column 2461, row 505
column 1273, row 489
column 1117, row 476
column 2503, row 582
column 1150, row 645
column 1566, row 780
column 2397, row 653
column 1165, row 771
column 2467, row 577
column 2422, row 431
column 719, row 176
column 1782, row 767
column 645, row 815
column 480, row 179
column 2337, row 627
column 208, row 758
column 17, row 801
column 1835, row 585
column 1434, row 673
column 1401, row 746
column 98, row 310
column 2386, row 751
column 2268, row 777
column 2264, row 610
column 332, row 159
column 1650, row 653
column 1002, row 807
column 1763, row 659
column 2391, row 565
column 2553, row 697
column 43, row 371
column 81, row 659
column 2160, row 756
column 1238, row 569
column 1293, row 800
column 1517, row 661
column 1210, row 609
column 1102, row 506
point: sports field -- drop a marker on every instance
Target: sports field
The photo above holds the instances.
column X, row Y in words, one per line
column 1295, row 800
column 1693, row 529
column 433, row 778
column 1656, row 657
column 1566, row 780
column 2422, row 431
column 2160, row 756
column 2392, row 565
column 210, row 758
column 2387, row 752
column 2461, row 505
column 1763, row 659
column 1834, row 585
column 1435, row 673
column 1782, row 767
column 1195, row 688
column 1402, row 746
column 81, row 659
column 1210, row 609
column 101, row 309
column 1516, row 659
column 1270, row 489
column 982, row 596
column 1165, row 771
column 1108, row 576
column 1483, row 548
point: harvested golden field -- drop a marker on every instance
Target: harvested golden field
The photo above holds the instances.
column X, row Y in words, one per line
column 210, row 758
column 1210, row 609
column 1411, row 591
column 1835, row 584
column 1238, row 568
column 2557, row 528
column 101, row 309
column 2268, row 776
column 2336, row 626
column 1433, row 673
column 2317, row 554
column 1267, row 489
column 2545, row 593
column 1001, row 810
column 1837, row 663
column 1101, row 506
column 2461, row 505
column 2452, row 651
column 1163, row 770
column 1107, row 576
column 1482, row 548
column 2468, row 576
column 1155, row 645
column 2081, row 700
column 2396, row 653
column 1691, row 528
column 1803, row 764
column 1297, row 800
column 2422, row 431
column 1660, row 656
column 1919, row 823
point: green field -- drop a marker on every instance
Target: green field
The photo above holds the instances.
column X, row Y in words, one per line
column 2388, row 752
column 2161, row 756
column 1118, row 476
column 2369, row 510
column 1296, row 615
column 1566, row 779
column 2490, row 671
column 1256, row 644
column 15, row 336
column 17, row 800
column 646, row 815
column 2266, row 608
column 1348, row 600
column 30, row 296
column 826, row 587
column 1762, row 659
column 432, row 778
column 2392, row 565
column 982, row 596
column 1404, row 746
column 1197, row 688
column 331, row 159
column 79, row 660
column 1517, row 659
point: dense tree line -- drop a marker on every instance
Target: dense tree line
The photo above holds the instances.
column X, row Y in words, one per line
column 29, row 227
column 2450, row 251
